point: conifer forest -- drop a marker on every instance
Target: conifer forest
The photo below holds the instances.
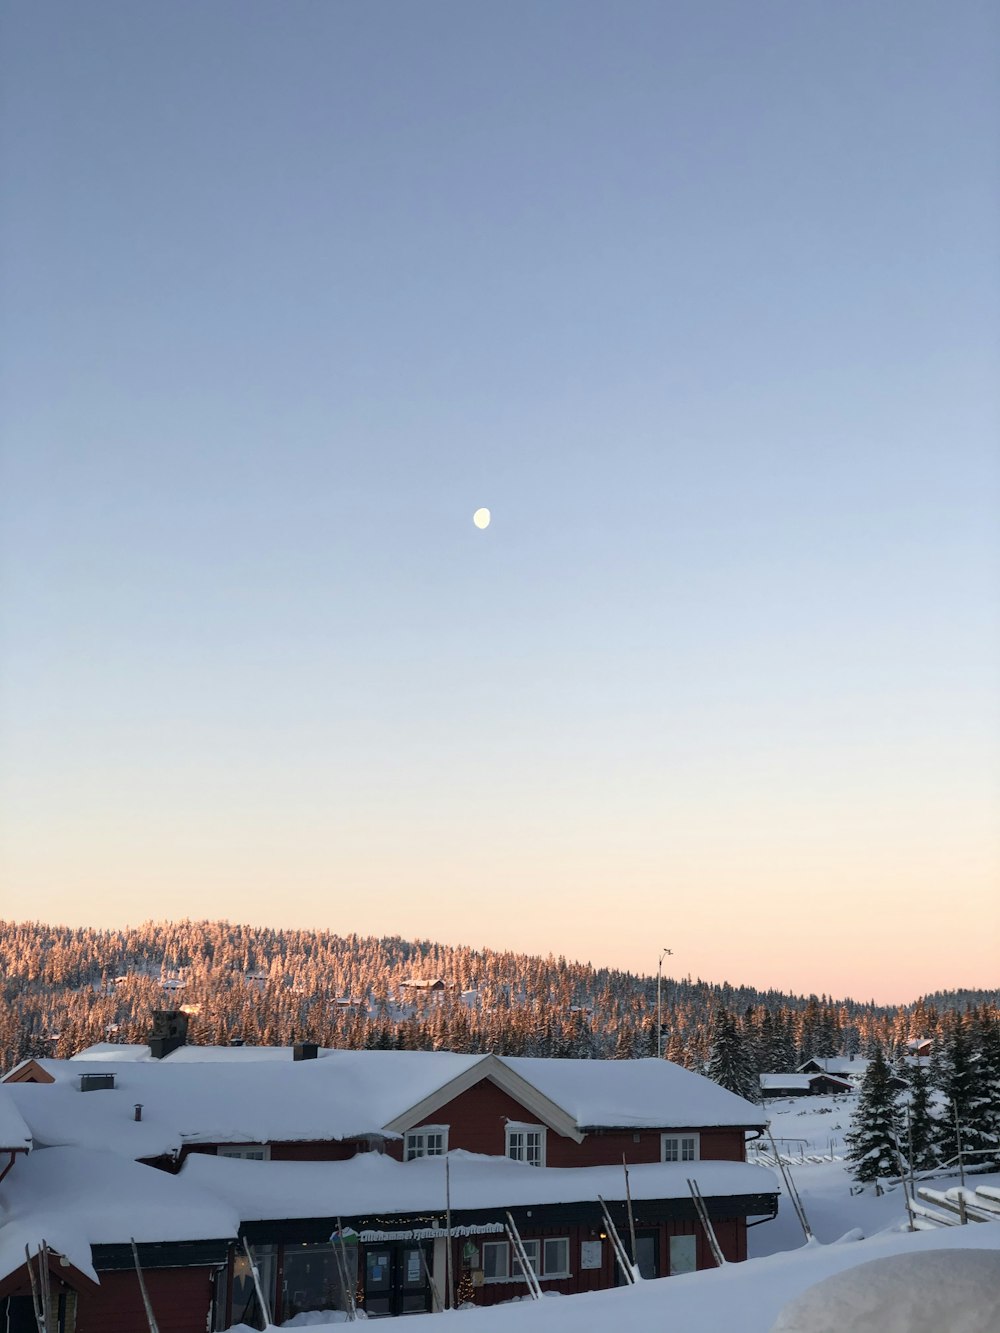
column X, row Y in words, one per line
column 66, row 988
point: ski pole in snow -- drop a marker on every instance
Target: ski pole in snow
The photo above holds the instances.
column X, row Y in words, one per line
column 265, row 1313
column 435, row 1294
column 44, row 1283
column 629, row 1271
column 150, row 1317
column 352, row 1307
column 530, row 1277
column 631, row 1218
column 449, row 1262
column 793, row 1193
column 701, row 1209
column 36, row 1299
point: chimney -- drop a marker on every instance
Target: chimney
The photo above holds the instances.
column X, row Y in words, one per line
column 305, row 1050
column 169, row 1031
column 138, row 1111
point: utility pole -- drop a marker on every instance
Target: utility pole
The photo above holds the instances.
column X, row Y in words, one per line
column 659, row 1002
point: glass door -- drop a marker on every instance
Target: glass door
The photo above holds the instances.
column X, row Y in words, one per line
column 379, row 1282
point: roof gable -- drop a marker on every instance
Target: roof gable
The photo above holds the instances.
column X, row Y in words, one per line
column 505, row 1078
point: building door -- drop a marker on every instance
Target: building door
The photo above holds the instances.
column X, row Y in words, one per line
column 396, row 1279
column 647, row 1253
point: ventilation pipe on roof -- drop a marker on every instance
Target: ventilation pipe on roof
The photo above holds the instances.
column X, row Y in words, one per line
column 138, row 1110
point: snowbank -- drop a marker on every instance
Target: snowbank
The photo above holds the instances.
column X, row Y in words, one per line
column 905, row 1293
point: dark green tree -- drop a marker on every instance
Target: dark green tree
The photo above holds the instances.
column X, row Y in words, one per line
column 965, row 1120
column 873, row 1137
column 730, row 1059
column 919, row 1128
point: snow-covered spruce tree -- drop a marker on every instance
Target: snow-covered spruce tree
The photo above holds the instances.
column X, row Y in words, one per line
column 730, row 1060
column 918, row 1128
column 959, row 1077
column 984, row 1108
column 872, row 1138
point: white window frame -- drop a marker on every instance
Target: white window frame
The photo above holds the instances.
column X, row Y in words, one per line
column 535, row 1251
column 533, row 1254
column 496, row 1245
column 416, row 1142
column 518, row 1152
column 555, row 1272
column 677, row 1142
column 247, row 1152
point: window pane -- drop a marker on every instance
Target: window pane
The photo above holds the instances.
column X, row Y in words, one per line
column 531, row 1254
column 312, row 1278
column 670, row 1150
column 495, row 1259
column 556, row 1256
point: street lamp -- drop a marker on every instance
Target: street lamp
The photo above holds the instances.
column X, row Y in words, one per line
column 659, row 1002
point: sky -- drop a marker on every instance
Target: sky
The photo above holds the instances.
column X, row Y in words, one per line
column 702, row 300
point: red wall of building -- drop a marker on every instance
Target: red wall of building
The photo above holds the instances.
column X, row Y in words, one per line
column 477, row 1119
column 180, row 1298
column 731, row 1234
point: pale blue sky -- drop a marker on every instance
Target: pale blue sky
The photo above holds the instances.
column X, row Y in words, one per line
column 700, row 299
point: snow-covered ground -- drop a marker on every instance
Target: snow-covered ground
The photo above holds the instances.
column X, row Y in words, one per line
column 748, row 1298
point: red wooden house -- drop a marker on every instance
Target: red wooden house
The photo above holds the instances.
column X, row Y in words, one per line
column 294, row 1149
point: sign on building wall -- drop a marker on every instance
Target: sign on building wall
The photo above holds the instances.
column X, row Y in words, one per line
column 590, row 1254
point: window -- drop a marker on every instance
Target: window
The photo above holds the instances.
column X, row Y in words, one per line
column 249, row 1152
column 496, row 1260
column 531, row 1254
column 312, row 1278
column 557, row 1257
column 680, row 1148
column 526, row 1143
column 548, row 1258
column 427, row 1141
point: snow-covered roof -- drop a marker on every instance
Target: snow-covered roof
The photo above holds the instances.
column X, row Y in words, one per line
column 351, row 1095
column 15, row 1136
column 111, row 1050
column 635, row 1094
column 372, row 1183
column 803, row 1081
column 786, row 1080
column 348, row 1094
column 183, row 1055
column 847, row 1066
column 76, row 1199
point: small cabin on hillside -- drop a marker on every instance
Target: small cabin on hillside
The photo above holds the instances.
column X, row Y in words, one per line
column 803, row 1085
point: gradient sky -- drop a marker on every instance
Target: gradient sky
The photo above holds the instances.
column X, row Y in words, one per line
column 701, row 299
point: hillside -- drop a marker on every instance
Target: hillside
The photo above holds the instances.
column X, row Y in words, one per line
column 65, row 988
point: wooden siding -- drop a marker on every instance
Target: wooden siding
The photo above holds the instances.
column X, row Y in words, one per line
column 731, row 1234
column 477, row 1120
column 180, row 1297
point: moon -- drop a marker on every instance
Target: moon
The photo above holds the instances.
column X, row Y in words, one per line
column 481, row 518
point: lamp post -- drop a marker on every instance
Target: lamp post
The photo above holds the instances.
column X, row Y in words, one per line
column 659, row 1002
